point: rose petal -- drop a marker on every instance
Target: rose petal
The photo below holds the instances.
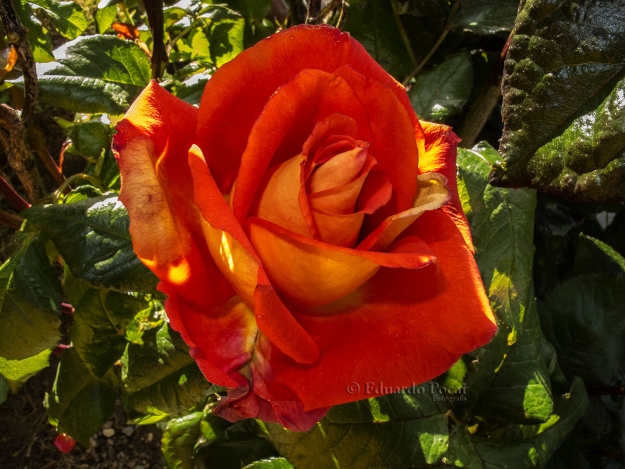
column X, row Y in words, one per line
column 421, row 320
column 340, row 169
column 151, row 147
column 239, row 90
column 272, row 316
column 313, row 273
column 285, row 124
column 393, row 143
column 440, row 157
column 433, row 194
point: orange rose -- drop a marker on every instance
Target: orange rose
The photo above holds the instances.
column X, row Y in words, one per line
column 306, row 228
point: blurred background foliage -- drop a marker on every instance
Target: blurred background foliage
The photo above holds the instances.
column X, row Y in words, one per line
column 546, row 392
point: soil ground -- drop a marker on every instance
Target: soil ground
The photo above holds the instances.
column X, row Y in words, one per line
column 27, row 439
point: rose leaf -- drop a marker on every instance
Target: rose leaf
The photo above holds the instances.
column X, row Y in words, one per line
column 486, row 17
column 563, row 106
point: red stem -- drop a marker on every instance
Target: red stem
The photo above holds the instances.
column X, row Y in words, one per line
column 16, row 200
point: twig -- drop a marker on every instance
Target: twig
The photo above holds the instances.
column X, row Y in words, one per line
column 485, row 103
column 13, row 197
column 36, row 142
column 439, row 41
column 314, row 6
column 154, row 10
column 11, row 220
column 402, row 32
column 13, row 126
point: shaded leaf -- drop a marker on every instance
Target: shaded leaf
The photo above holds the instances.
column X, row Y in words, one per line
column 30, row 301
column 584, row 319
column 406, row 430
column 16, row 372
column 231, row 447
column 88, row 138
column 179, row 440
column 100, row 321
column 563, row 101
column 523, row 446
column 67, row 17
column 96, row 74
column 486, row 16
column 4, row 389
column 159, row 376
column 594, row 257
column 79, row 403
column 373, row 24
column 507, row 378
column 442, row 92
column 92, row 236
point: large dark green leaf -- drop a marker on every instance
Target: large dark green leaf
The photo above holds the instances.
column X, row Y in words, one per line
column 4, row 390
column 92, row 236
column 159, row 376
column 100, row 321
column 523, row 446
column 79, row 403
column 232, row 447
column 179, row 440
column 30, row 301
column 16, row 372
column 442, row 92
column 373, row 24
column 395, row 431
column 563, row 103
column 271, row 463
column 96, row 74
column 67, row 17
column 508, row 378
column 584, row 318
column 486, row 16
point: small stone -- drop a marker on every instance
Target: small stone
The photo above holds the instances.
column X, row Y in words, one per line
column 108, row 432
column 93, row 442
column 109, row 441
column 139, row 466
column 150, row 437
column 108, row 425
column 128, row 431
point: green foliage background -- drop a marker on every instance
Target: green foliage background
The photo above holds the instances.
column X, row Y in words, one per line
column 546, row 392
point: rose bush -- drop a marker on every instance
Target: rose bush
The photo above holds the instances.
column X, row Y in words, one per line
column 305, row 227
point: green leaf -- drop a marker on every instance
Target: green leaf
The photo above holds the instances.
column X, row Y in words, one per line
column 37, row 35
column 92, row 236
column 88, row 138
column 373, row 24
column 79, row 403
column 96, row 74
column 224, row 31
column 271, row 463
column 233, row 447
column 105, row 17
column 522, row 446
column 16, row 372
column 508, row 378
column 100, row 321
column 179, row 440
column 486, row 16
column 159, row 377
column 395, row 431
column 30, row 301
column 67, row 17
column 563, row 109
column 594, row 256
column 442, row 92
column 584, row 319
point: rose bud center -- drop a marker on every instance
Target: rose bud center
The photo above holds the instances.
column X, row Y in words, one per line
column 317, row 193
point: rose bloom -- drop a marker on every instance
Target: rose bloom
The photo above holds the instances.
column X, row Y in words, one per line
column 306, row 228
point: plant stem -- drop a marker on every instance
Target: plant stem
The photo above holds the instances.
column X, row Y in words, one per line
column 402, row 32
column 314, row 6
column 13, row 125
column 439, row 41
column 154, row 10
column 485, row 103
column 12, row 196
column 11, row 220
